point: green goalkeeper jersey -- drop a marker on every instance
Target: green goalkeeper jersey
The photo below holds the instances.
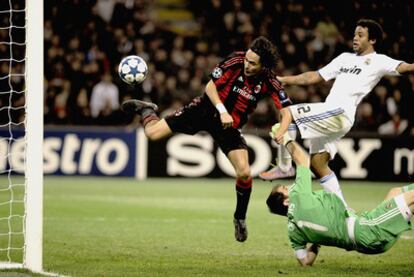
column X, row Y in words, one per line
column 315, row 217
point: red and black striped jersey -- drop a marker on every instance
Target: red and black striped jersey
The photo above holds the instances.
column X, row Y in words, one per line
column 240, row 94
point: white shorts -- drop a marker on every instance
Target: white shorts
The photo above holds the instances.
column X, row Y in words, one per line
column 323, row 145
column 322, row 124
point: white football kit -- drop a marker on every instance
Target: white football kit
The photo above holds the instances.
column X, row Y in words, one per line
column 355, row 76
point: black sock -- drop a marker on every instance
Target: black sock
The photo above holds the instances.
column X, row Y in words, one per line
column 243, row 197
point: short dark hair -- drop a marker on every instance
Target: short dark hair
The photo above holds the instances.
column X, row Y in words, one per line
column 267, row 51
column 375, row 31
column 275, row 202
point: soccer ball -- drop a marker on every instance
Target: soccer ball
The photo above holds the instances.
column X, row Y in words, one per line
column 133, row 70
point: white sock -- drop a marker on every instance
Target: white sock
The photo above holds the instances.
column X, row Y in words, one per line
column 283, row 159
column 330, row 184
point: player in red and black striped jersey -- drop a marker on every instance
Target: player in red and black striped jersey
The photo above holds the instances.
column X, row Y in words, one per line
column 240, row 88
column 236, row 85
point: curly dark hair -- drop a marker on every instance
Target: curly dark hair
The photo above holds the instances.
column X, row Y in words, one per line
column 375, row 31
column 275, row 202
column 267, row 51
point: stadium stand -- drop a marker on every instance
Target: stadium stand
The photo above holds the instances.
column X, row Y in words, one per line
column 79, row 52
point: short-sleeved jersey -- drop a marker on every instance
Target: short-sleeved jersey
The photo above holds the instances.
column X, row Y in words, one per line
column 355, row 76
column 239, row 93
column 315, row 217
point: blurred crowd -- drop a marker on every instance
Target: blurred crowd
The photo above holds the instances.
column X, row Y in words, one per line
column 86, row 39
column 12, row 59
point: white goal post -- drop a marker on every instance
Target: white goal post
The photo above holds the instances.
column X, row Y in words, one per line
column 31, row 220
column 33, row 254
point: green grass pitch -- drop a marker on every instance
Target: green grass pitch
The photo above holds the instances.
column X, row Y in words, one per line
column 183, row 227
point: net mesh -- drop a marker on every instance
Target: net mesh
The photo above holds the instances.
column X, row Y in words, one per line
column 12, row 119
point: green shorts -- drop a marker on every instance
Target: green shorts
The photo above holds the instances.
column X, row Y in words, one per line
column 377, row 230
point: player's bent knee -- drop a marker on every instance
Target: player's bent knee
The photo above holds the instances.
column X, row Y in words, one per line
column 243, row 174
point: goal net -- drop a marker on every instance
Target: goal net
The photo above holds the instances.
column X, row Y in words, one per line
column 21, row 133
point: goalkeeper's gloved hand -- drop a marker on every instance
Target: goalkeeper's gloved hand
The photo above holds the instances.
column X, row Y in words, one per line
column 279, row 138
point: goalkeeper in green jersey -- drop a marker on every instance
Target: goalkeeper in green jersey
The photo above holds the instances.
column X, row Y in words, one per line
column 321, row 218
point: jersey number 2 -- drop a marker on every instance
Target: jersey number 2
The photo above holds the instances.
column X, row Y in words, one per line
column 304, row 109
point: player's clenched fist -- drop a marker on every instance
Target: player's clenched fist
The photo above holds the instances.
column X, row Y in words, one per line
column 226, row 120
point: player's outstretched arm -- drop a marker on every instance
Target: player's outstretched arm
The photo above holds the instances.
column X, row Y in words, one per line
column 311, row 254
column 304, row 79
column 299, row 155
column 405, row 68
